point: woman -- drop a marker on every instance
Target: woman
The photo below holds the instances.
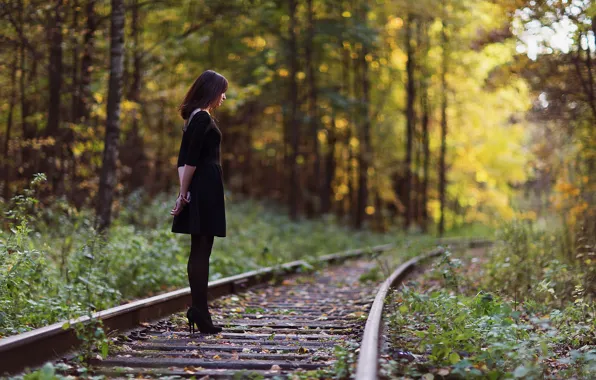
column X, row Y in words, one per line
column 200, row 209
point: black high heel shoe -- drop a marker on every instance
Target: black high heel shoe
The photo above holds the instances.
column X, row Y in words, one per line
column 202, row 319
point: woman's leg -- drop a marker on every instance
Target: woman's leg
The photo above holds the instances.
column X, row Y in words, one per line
column 198, row 269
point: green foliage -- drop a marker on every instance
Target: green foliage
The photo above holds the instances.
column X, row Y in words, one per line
column 523, row 313
column 484, row 336
column 47, row 372
column 345, row 361
column 54, row 267
column 534, row 263
column 373, row 275
column 447, row 267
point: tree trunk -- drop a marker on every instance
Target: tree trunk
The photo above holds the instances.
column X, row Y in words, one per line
column 327, row 191
column 379, row 220
column 55, row 71
column 442, row 165
column 415, row 193
column 425, row 156
column 425, row 107
column 364, row 153
column 591, row 84
column 353, row 133
column 294, row 182
column 75, row 61
column 346, row 151
column 410, row 123
column 247, row 164
column 27, row 156
column 13, row 101
column 85, row 94
column 316, row 197
column 108, row 177
column 132, row 153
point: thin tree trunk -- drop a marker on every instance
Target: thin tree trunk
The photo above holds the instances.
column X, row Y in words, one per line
column 442, row 165
column 415, row 194
column 425, row 109
column 417, row 147
column 313, row 115
column 133, row 151
column 13, row 101
column 247, row 164
column 26, row 153
column 364, row 154
column 410, row 123
column 426, row 153
column 353, row 133
column 75, row 61
column 294, row 182
column 379, row 222
column 68, row 162
column 587, row 85
column 330, row 165
column 591, row 84
column 85, row 94
column 55, row 71
column 108, row 177
column 346, row 151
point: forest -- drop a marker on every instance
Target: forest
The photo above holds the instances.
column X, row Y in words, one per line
column 347, row 122
column 427, row 114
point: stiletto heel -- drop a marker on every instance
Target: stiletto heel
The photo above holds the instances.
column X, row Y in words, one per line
column 202, row 319
column 191, row 322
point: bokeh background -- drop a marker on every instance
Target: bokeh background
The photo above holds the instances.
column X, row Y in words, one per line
column 425, row 114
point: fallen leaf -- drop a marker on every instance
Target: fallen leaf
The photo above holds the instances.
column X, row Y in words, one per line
column 443, row 372
column 275, row 368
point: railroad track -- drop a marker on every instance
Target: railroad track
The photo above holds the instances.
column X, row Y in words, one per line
column 298, row 325
column 269, row 331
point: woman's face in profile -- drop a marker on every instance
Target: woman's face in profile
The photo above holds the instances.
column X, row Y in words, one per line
column 220, row 100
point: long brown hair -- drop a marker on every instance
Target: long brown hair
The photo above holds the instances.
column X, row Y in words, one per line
column 205, row 91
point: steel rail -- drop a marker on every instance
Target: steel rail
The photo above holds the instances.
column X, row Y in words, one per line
column 368, row 357
column 38, row 346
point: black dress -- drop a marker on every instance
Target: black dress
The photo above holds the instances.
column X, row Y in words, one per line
column 200, row 147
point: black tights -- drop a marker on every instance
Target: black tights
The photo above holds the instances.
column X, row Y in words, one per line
column 198, row 269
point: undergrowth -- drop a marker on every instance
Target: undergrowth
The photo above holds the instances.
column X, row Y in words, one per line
column 50, row 255
column 519, row 311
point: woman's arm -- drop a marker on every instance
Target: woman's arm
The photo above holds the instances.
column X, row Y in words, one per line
column 180, row 173
column 185, row 172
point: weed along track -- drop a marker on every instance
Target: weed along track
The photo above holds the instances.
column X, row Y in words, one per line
column 278, row 322
column 297, row 325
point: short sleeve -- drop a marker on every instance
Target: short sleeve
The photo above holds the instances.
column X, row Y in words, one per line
column 181, row 153
column 198, row 127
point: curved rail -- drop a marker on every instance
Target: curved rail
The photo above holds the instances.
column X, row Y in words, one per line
column 368, row 359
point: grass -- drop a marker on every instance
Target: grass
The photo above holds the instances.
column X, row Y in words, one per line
column 53, row 265
column 470, row 316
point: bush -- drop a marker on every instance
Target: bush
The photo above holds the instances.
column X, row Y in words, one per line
column 54, row 266
column 536, row 263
